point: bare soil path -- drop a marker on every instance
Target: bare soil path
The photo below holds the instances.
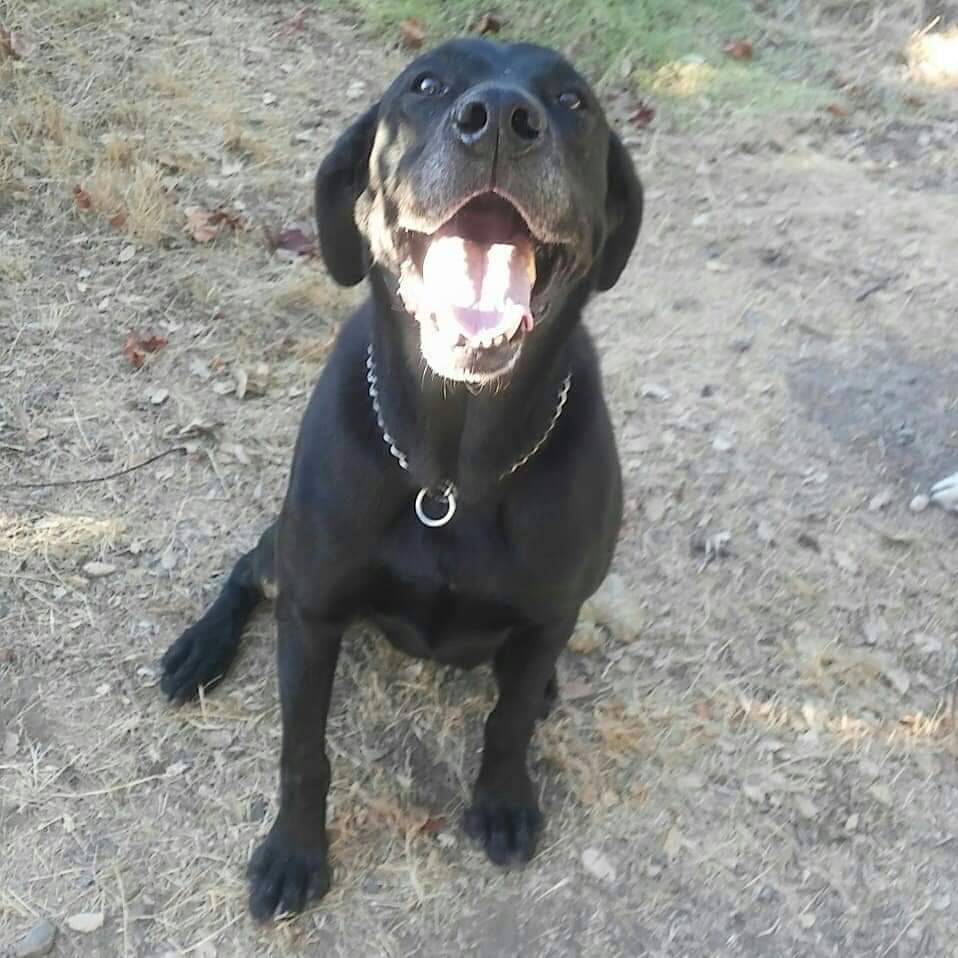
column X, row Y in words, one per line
column 755, row 752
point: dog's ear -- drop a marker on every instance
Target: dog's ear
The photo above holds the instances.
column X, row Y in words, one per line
column 341, row 179
column 623, row 204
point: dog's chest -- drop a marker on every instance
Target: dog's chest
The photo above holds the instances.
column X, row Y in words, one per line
column 448, row 594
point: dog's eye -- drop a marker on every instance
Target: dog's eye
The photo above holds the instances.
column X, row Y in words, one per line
column 571, row 100
column 428, row 85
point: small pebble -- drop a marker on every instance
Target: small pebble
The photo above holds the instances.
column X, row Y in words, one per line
column 598, row 865
column 37, row 941
column 86, row 922
column 257, row 809
column 919, row 503
column 655, row 391
column 371, row 885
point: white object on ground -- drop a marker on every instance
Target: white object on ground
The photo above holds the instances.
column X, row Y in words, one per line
column 945, row 493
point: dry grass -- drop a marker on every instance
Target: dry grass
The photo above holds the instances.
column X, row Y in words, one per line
column 762, row 744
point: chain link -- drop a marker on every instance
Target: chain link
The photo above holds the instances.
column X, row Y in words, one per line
column 446, row 492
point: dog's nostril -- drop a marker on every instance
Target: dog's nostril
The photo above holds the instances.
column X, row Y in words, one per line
column 472, row 118
column 526, row 123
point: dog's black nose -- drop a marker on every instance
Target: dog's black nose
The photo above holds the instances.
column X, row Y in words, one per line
column 498, row 114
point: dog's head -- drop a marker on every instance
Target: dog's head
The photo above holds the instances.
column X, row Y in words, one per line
column 485, row 185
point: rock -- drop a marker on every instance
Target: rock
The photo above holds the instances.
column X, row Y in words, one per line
column 97, row 570
column 656, row 392
column 37, row 941
column 945, row 493
column 598, row 865
column 919, row 503
column 257, row 809
column 617, row 605
column 86, row 921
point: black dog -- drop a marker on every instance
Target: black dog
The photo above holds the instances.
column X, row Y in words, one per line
column 455, row 480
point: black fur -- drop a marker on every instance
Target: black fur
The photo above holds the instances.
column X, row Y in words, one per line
column 504, row 581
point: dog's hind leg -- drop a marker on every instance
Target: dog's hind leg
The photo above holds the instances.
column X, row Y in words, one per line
column 202, row 655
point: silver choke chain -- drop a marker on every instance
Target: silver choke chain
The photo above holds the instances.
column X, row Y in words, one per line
column 446, row 491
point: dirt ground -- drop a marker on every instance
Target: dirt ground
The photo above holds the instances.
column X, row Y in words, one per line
column 755, row 752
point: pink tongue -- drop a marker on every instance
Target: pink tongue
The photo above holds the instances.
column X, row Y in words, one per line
column 478, row 288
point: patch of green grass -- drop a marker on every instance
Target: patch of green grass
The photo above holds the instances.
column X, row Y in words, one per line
column 673, row 48
column 79, row 12
column 603, row 37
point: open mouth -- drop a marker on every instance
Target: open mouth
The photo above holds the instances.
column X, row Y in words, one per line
column 472, row 285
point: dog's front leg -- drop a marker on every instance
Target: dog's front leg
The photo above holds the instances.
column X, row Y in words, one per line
column 504, row 816
column 290, row 868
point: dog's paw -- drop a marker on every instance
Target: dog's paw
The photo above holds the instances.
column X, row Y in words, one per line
column 200, row 656
column 285, row 875
column 508, row 830
column 945, row 493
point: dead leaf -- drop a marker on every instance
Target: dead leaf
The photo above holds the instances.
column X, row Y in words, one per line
column 13, row 44
column 836, row 110
column 642, row 115
column 297, row 23
column 293, row 242
column 228, row 218
column 205, row 225
column 412, row 32
column 432, row 826
column 118, row 220
column 251, row 382
column 152, row 343
column 132, row 350
column 137, row 345
column 199, row 225
column 738, row 50
column 489, row 23
column 81, row 198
